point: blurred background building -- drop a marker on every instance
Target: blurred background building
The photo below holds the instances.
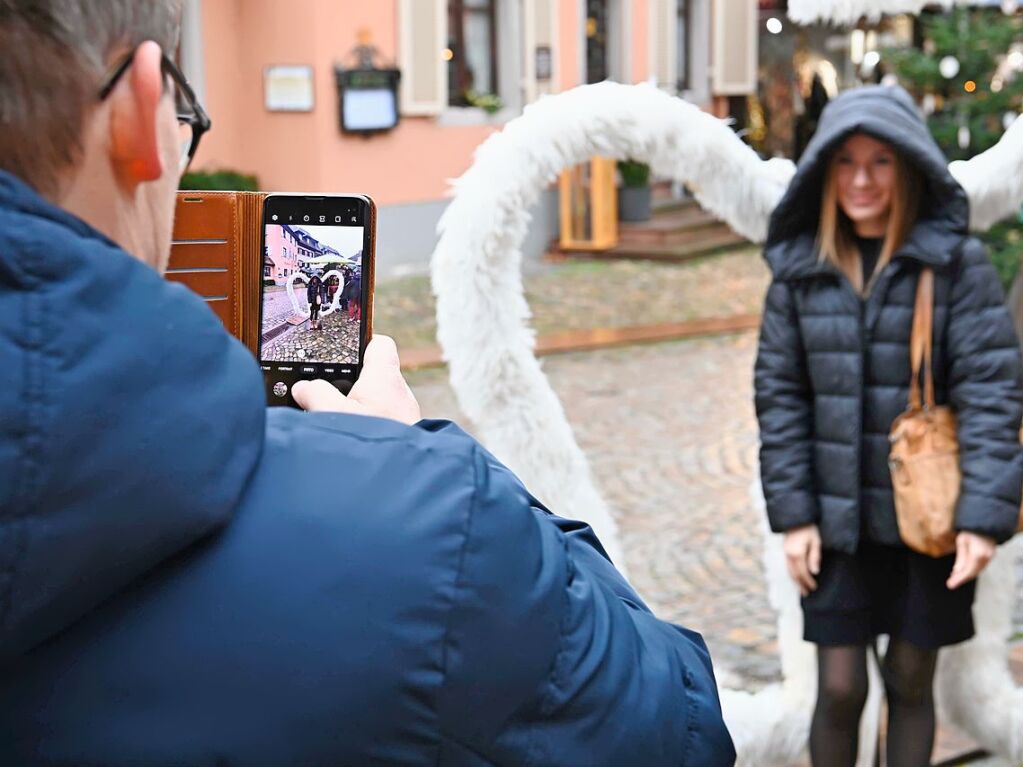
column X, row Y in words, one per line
column 267, row 71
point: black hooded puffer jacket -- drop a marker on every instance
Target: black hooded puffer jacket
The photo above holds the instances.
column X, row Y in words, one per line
column 832, row 371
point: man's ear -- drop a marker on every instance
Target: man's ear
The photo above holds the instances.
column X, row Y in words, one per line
column 134, row 118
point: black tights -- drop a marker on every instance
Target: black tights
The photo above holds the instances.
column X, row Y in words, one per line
column 908, row 672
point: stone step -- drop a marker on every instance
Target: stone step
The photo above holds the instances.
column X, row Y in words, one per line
column 695, row 244
column 669, row 204
column 676, row 226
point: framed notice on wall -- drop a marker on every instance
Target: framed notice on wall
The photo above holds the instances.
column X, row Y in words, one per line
column 288, row 88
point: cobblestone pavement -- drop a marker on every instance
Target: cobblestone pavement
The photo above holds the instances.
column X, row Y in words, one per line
column 582, row 294
column 277, row 306
column 337, row 341
column 671, row 436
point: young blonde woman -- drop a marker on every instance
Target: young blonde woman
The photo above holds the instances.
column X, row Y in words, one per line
column 871, row 204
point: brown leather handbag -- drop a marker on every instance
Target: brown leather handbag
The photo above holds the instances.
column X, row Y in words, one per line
column 924, row 457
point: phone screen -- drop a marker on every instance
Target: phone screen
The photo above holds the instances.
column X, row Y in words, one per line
column 313, row 312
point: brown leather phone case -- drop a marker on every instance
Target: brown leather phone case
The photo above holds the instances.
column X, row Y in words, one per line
column 216, row 252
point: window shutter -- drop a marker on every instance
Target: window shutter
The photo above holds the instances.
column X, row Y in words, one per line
column 422, row 38
column 540, row 45
column 734, row 50
column 663, row 28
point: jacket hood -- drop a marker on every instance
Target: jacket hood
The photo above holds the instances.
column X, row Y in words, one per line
column 130, row 421
column 886, row 113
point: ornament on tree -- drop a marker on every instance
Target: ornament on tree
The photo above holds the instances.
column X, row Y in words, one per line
column 949, row 67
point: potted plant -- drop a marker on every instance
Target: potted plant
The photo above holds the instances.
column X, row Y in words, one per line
column 488, row 102
column 634, row 194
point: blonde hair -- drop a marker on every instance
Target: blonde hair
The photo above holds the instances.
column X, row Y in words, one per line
column 836, row 241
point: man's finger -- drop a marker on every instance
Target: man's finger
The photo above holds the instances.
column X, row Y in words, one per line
column 320, row 395
column 381, row 352
column 381, row 368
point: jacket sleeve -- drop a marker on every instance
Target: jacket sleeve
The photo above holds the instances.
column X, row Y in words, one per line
column 984, row 387
column 552, row 659
column 785, row 413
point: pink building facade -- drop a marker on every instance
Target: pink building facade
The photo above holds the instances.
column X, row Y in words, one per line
column 449, row 52
column 280, row 260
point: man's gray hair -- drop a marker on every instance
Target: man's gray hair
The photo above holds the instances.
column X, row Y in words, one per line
column 53, row 55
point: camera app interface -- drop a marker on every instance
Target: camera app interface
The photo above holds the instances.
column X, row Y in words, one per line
column 312, row 294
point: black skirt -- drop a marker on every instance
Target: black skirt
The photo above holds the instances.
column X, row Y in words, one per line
column 887, row 590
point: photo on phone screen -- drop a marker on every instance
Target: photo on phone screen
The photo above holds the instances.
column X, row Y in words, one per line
column 314, row 265
column 312, row 312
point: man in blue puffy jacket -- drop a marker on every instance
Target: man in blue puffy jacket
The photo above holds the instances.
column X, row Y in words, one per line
column 173, row 591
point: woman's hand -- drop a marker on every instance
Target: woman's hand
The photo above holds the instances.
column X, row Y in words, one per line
column 803, row 556
column 973, row 552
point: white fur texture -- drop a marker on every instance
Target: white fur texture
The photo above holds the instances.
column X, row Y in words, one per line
column 481, row 311
column 482, row 319
column 993, row 180
column 848, row 12
column 974, row 687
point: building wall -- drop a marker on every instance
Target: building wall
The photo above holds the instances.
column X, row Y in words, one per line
column 282, row 250
column 408, row 169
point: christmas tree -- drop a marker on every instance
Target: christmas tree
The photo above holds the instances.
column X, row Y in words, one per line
column 967, row 75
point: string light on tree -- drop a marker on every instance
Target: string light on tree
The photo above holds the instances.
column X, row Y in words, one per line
column 963, row 136
column 949, row 67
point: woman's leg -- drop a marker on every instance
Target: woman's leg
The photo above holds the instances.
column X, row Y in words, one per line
column 841, row 694
column 908, row 671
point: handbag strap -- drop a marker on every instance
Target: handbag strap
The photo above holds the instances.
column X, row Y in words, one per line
column 921, row 341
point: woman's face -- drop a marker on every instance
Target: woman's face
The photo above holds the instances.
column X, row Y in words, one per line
column 865, row 173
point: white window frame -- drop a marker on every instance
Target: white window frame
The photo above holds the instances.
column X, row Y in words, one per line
column 406, row 59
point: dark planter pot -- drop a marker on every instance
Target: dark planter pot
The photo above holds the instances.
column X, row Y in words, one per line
column 634, row 203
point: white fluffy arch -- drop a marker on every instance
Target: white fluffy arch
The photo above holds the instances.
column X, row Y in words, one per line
column 848, row 12
column 482, row 325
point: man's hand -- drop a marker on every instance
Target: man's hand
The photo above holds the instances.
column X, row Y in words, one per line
column 973, row 552
column 380, row 391
column 803, row 556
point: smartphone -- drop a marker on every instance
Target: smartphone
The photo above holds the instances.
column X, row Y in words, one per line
column 316, row 293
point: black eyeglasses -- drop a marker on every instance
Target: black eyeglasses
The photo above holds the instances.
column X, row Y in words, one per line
column 192, row 118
